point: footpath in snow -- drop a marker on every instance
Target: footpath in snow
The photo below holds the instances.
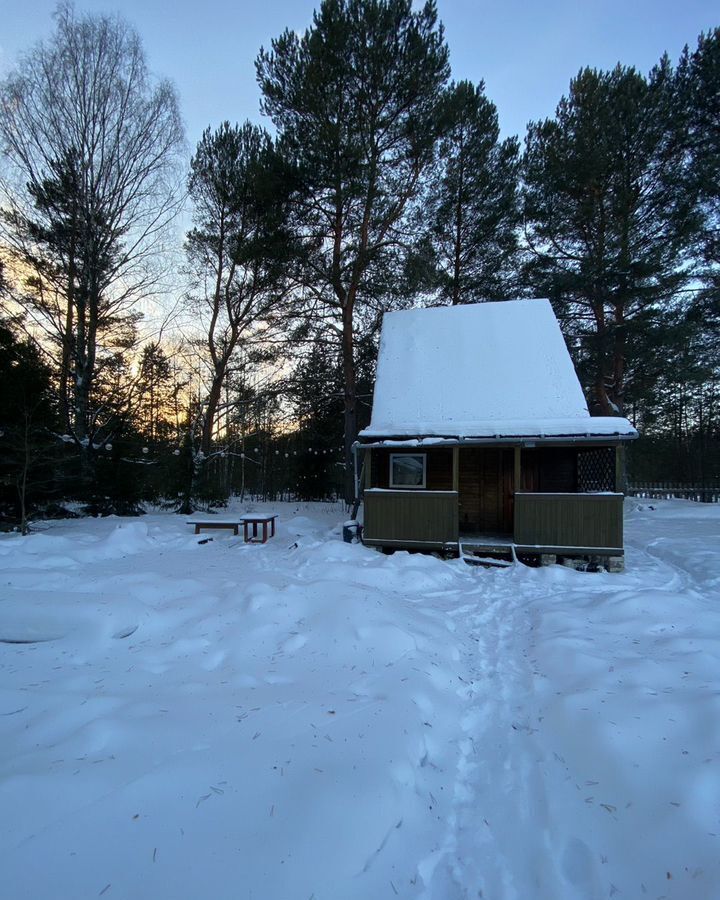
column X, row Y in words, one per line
column 184, row 718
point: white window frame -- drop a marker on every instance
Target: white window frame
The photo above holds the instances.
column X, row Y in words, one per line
column 409, row 487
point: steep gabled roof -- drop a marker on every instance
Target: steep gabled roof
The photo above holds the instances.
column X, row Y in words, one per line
column 481, row 370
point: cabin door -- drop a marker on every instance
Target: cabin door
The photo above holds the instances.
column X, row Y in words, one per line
column 486, row 490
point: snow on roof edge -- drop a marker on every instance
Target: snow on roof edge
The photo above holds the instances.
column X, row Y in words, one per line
column 592, row 426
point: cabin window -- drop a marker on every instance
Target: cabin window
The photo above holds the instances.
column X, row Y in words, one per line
column 408, row 470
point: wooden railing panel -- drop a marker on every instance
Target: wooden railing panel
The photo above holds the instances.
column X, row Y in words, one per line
column 569, row 520
column 412, row 517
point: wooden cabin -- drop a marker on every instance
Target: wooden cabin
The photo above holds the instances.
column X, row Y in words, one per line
column 481, row 442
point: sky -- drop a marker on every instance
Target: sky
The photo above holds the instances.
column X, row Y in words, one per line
column 526, row 52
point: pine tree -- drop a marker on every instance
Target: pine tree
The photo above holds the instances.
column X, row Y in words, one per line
column 155, row 393
column 356, row 103
column 317, row 402
column 27, row 419
column 699, row 82
column 610, row 223
column 472, row 207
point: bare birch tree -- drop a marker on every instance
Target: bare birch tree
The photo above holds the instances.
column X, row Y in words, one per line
column 92, row 147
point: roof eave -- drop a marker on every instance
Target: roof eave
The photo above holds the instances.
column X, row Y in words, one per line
column 438, row 440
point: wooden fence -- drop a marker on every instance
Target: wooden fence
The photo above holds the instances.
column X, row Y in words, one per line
column 668, row 491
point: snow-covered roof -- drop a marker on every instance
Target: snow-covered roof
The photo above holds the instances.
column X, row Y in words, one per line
column 484, row 370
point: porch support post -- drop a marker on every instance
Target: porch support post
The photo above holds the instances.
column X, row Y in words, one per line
column 620, row 469
column 517, row 483
column 367, row 463
column 456, row 469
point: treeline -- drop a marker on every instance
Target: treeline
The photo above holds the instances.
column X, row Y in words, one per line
column 386, row 184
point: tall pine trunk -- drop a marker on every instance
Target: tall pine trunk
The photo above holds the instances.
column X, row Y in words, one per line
column 351, row 424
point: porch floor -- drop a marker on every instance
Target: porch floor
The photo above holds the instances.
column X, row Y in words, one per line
column 485, row 539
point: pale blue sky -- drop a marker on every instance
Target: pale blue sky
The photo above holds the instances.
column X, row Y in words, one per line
column 526, row 52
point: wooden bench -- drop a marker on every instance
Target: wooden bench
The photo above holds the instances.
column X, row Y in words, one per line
column 215, row 523
column 256, row 519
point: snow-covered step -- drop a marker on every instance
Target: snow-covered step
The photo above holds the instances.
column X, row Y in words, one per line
column 475, row 560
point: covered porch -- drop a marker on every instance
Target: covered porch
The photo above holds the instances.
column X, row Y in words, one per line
column 493, row 500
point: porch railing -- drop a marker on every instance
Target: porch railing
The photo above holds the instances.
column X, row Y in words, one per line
column 564, row 521
column 424, row 518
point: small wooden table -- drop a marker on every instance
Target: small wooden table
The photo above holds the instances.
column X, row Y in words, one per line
column 256, row 519
column 215, row 523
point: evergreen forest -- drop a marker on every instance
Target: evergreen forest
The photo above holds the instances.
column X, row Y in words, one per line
column 179, row 325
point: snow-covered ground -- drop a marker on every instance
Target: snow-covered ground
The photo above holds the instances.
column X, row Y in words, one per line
column 182, row 718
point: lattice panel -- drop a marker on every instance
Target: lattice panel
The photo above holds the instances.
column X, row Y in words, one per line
column 596, row 469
